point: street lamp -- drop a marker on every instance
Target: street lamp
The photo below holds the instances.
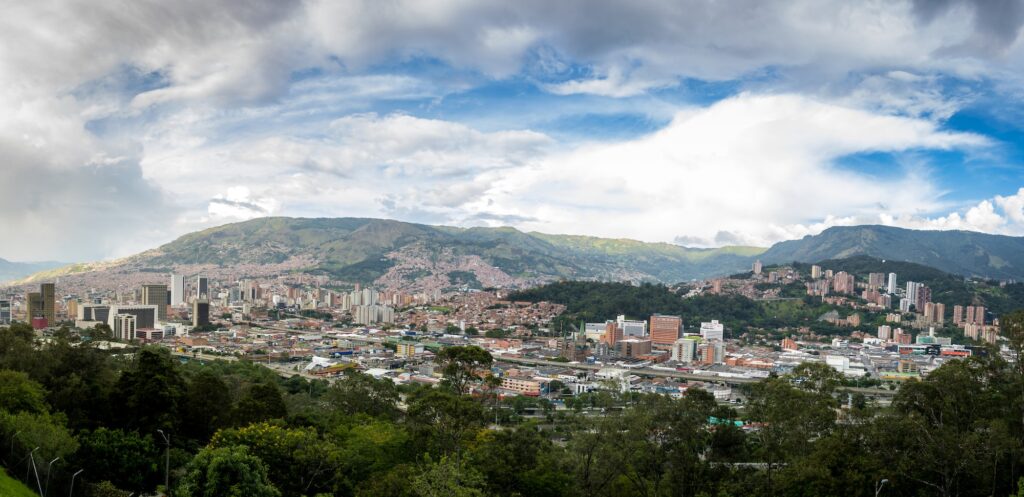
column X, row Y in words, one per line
column 71, row 492
column 13, row 438
column 167, row 461
column 48, row 466
column 879, row 485
column 28, row 469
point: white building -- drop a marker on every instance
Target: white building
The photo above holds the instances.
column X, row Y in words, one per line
column 891, row 287
column 631, row 328
column 177, row 290
column 712, row 331
column 684, row 350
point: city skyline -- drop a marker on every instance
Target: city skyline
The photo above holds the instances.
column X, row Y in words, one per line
column 708, row 127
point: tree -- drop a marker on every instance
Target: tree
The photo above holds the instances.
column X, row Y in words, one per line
column 444, row 420
column 226, row 472
column 125, row 458
column 462, row 366
column 20, row 394
column 298, row 461
column 261, row 402
column 447, row 478
column 150, row 392
column 206, row 406
column 360, row 393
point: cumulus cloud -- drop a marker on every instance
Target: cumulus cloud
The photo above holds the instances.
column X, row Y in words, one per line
column 112, row 105
column 756, row 165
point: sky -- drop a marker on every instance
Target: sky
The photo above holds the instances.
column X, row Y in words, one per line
column 124, row 124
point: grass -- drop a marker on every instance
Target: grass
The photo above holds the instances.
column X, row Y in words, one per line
column 9, row 487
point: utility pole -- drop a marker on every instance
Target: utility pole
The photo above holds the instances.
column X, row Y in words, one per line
column 35, row 470
column 167, row 462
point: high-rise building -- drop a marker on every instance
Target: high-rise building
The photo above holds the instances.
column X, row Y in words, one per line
column 815, row 272
column 876, row 280
column 5, row 311
column 665, row 330
column 843, row 282
column 156, row 295
column 905, row 305
column 200, row 313
column 177, row 289
column 958, row 314
column 891, row 287
column 145, row 315
column 924, row 296
column 124, row 327
column 42, row 304
column 202, row 288
column 939, row 317
column 712, row 331
column 612, row 333
column 884, row 332
column 758, row 266
column 913, row 290
column 684, row 350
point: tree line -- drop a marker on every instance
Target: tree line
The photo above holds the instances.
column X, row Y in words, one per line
column 239, row 429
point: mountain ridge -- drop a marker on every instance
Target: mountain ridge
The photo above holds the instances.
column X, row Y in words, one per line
column 399, row 254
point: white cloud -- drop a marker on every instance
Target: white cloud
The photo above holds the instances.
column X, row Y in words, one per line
column 758, row 165
column 240, row 204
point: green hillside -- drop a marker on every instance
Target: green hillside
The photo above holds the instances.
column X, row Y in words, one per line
column 958, row 252
column 356, row 249
column 9, row 487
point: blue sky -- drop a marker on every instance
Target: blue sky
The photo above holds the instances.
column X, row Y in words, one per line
column 691, row 122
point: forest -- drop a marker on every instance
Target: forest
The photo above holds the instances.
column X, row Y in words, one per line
column 117, row 423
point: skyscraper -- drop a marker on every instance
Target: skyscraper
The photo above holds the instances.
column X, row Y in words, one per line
column 815, row 272
column 876, row 280
column 891, row 287
column 757, row 266
column 177, row 289
column 42, row 304
column 200, row 313
column 202, row 288
column 665, row 330
column 156, row 295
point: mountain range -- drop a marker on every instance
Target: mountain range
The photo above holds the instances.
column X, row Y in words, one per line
column 399, row 254
column 10, row 270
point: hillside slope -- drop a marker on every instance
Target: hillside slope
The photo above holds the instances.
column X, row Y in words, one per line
column 964, row 253
column 392, row 254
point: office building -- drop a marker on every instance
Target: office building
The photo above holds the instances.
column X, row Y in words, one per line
column 712, row 331
column 200, row 313
column 145, row 315
column 665, row 330
column 202, row 288
column 684, row 350
column 156, row 295
column 631, row 328
column 177, row 290
column 612, row 333
column 42, row 304
column 124, row 327
column 5, row 311
column 891, row 287
column 634, row 347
